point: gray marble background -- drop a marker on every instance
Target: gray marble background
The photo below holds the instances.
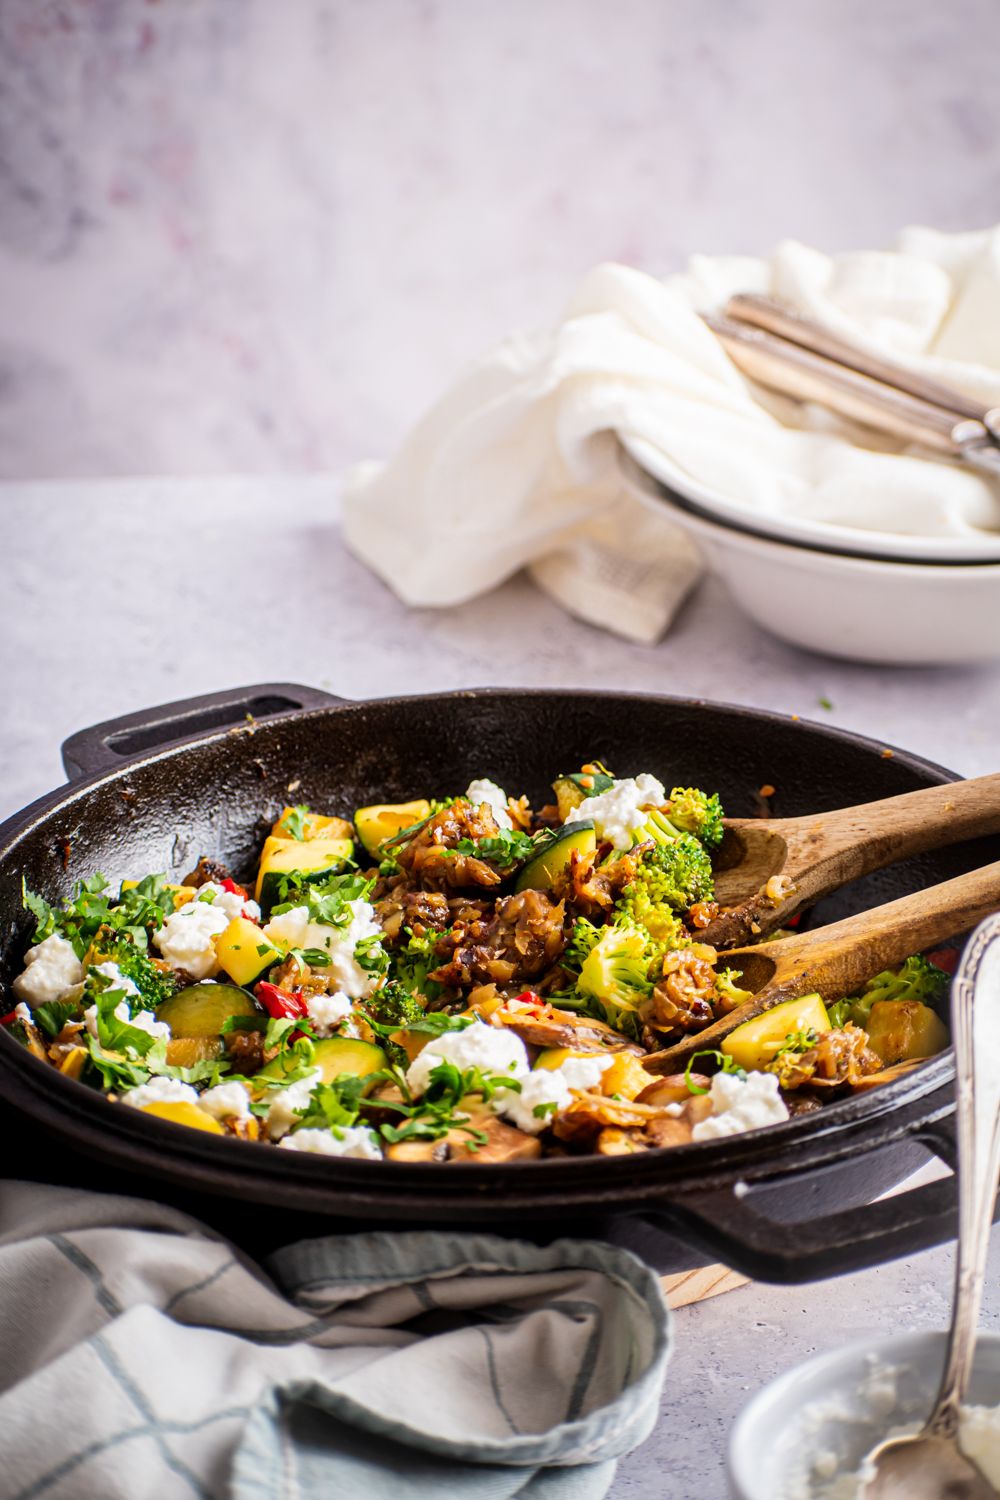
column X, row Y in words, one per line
column 254, row 236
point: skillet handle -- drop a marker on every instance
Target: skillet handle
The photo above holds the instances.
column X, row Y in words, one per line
column 105, row 746
column 734, row 1231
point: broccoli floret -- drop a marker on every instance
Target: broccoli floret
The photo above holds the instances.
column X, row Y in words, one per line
column 584, row 936
column 670, row 878
column 394, row 1005
column 412, row 961
column 615, row 972
column 691, row 812
column 393, row 1009
column 729, row 990
column 914, row 979
column 121, row 948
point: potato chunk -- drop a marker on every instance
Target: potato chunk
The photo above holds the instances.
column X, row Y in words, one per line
column 900, row 1030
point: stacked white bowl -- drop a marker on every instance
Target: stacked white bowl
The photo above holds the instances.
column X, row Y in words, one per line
column 865, row 595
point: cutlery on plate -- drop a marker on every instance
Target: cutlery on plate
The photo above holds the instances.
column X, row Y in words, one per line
column 838, row 959
column 808, row 857
column 797, row 357
column 931, row 1464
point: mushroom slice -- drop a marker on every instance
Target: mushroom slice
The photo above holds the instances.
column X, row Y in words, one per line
column 503, row 1143
column 562, row 1030
column 668, row 1132
column 887, row 1075
column 673, row 1089
column 615, row 1142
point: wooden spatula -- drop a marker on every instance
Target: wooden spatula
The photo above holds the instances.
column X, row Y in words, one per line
column 820, row 853
column 839, row 959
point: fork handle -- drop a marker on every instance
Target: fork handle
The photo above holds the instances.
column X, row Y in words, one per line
column 975, row 1019
column 777, row 317
column 793, row 371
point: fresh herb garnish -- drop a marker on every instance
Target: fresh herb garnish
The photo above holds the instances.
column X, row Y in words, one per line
column 294, row 821
column 53, row 1015
column 137, row 911
column 726, row 1065
column 509, row 847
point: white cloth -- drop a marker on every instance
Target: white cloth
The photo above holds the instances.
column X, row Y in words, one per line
column 517, row 464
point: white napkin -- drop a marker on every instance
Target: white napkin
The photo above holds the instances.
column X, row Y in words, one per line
column 517, row 464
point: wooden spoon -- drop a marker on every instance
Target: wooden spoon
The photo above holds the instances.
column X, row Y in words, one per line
column 839, row 959
column 819, row 853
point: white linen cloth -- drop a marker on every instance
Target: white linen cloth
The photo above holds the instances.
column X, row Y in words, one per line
column 517, row 464
column 145, row 1358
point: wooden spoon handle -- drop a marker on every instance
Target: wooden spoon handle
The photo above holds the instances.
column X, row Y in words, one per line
column 824, row 851
column 838, row 959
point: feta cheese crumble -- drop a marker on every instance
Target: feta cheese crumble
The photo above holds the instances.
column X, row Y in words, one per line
column 741, row 1104
column 495, row 798
column 118, row 980
column 227, row 1101
column 493, row 1049
column 351, row 1140
column 143, row 1020
column 50, row 969
column 285, row 1104
column 185, row 939
column 327, row 1012
column 548, row 1089
column 620, row 812
column 160, row 1091
column 293, row 929
column 228, row 901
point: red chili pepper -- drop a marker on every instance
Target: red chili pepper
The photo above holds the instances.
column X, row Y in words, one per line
column 531, row 997
column 233, row 888
column 281, row 1004
column 10, row 1016
column 943, row 958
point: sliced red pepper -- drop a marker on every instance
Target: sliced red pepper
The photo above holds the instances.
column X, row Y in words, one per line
column 281, row 1004
column 233, row 888
column 943, row 958
column 11, row 1015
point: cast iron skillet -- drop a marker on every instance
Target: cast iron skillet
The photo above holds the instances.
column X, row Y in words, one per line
column 155, row 790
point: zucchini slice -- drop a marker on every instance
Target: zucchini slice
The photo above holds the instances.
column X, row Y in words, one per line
column 310, row 860
column 314, row 826
column 201, row 1009
column 244, row 952
column 568, row 795
column 540, row 873
column 385, row 820
column 758, row 1041
column 336, row 1055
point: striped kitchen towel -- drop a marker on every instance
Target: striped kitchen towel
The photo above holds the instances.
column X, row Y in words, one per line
column 144, row 1356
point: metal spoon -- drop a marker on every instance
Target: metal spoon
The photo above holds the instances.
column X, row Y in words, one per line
column 931, row 1465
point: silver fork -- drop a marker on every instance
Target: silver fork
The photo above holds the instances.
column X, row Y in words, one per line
column 931, row 1465
column 792, row 354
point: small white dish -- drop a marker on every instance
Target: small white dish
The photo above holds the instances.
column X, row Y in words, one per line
column 864, row 609
column 822, row 1406
column 715, row 506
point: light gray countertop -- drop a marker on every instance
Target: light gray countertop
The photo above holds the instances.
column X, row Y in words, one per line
column 132, row 592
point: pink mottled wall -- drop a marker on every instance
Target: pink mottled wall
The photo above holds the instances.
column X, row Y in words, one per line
column 255, row 235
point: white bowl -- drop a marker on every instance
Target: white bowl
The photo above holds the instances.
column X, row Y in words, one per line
column 776, row 1436
column 716, row 506
column 864, row 609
